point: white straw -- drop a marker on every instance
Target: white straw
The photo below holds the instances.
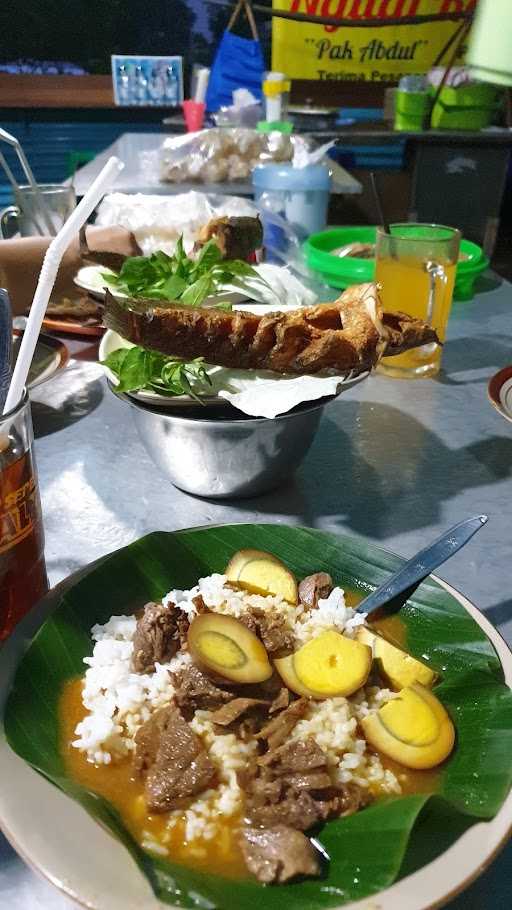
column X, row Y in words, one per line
column 41, row 204
column 203, row 77
column 48, row 274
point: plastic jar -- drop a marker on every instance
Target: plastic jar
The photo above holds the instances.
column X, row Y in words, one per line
column 301, row 195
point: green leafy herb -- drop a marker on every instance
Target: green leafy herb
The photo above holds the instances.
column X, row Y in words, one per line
column 179, row 277
column 136, row 368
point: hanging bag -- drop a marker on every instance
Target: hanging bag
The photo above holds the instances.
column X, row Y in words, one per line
column 238, row 63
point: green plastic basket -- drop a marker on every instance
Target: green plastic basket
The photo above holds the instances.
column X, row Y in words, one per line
column 468, row 107
column 411, row 110
column 341, row 273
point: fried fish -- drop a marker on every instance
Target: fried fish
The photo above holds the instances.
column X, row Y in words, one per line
column 351, row 334
column 236, row 237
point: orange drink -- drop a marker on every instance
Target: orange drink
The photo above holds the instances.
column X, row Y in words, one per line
column 415, row 267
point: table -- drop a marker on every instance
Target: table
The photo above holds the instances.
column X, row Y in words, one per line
column 394, row 461
column 139, row 152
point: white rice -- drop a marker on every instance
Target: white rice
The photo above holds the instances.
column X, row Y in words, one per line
column 332, row 613
column 119, row 701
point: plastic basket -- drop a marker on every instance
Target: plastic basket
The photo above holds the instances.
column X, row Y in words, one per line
column 341, row 273
column 411, row 110
column 468, row 107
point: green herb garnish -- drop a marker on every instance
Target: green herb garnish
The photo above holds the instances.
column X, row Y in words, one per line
column 178, row 277
column 137, row 368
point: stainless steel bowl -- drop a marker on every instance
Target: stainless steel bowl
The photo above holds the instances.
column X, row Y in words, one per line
column 226, row 456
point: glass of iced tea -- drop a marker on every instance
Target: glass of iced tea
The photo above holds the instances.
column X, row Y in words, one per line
column 23, row 579
column 415, row 267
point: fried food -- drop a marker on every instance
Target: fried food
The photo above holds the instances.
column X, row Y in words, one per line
column 85, row 310
column 235, row 237
column 351, row 334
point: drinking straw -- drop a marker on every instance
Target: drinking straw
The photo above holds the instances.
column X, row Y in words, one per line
column 378, row 203
column 27, row 170
column 12, row 180
column 48, row 274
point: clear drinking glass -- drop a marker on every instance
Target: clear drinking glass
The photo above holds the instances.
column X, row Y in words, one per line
column 25, row 217
column 415, row 267
column 23, row 579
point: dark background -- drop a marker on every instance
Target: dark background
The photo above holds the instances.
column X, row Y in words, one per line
column 87, row 32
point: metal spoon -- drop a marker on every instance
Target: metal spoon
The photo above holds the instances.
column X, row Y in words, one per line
column 421, row 565
column 5, row 346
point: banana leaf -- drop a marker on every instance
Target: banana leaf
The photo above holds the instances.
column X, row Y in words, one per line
column 369, row 850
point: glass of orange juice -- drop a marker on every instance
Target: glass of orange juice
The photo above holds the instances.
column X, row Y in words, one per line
column 415, row 268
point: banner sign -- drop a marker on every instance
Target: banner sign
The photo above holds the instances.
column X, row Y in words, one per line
column 379, row 54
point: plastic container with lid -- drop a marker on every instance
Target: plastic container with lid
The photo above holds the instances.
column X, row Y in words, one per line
column 301, row 195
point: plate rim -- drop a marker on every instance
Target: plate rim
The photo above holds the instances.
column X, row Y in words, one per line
column 387, row 898
column 60, row 348
column 494, row 388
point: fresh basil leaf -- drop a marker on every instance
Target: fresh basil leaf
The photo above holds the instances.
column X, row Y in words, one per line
column 115, row 359
column 238, row 267
column 135, row 370
column 197, row 292
column 173, row 287
column 179, row 277
column 179, row 253
column 209, row 256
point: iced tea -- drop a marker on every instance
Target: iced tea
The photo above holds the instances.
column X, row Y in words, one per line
column 23, row 579
column 416, row 266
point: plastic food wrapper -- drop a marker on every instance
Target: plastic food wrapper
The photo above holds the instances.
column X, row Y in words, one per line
column 246, row 110
column 262, row 393
column 458, row 75
column 223, row 154
column 283, row 289
column 157, row 221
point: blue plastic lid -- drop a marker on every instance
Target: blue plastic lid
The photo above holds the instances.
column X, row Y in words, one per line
column 286, row 177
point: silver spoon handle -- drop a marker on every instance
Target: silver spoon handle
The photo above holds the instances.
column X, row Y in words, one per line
column 421, row 565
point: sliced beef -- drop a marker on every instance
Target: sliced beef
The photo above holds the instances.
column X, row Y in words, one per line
column 346, row 799
column 272, row 629
column 296, row 808
column 156, row 638
column 278, row 854
column 293, row 786
column 235, row 709
column 172, row 759
column 314, row 587
column 303, row 755
column 193, row 689
column 280, row 702
column 310, row 780
column 182, row 627
column 279, row 728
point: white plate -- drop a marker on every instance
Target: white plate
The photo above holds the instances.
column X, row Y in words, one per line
column 90, row 278
column 250, row 391
column 58, row 839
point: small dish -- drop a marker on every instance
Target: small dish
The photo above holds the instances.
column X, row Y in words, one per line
column 499, row 392
column 50, row 357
